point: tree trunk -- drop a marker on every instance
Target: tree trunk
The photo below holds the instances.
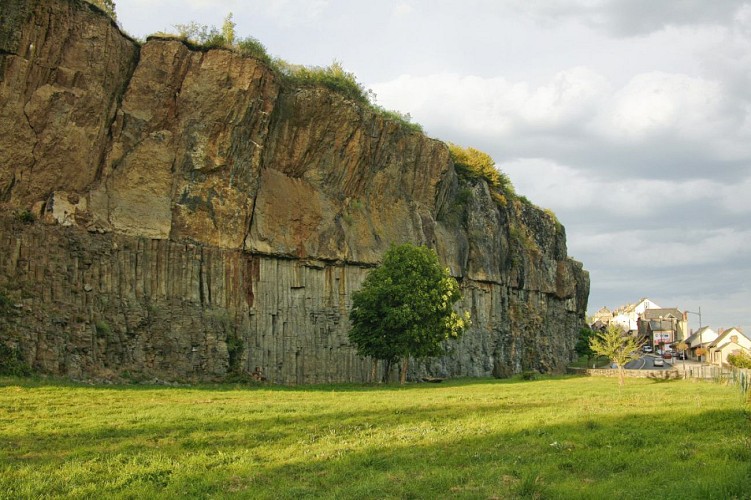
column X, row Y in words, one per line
column 386, row 371
column 374, row 371
column 405, row 364
column 621, row 376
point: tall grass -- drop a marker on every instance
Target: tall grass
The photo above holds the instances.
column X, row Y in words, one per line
column 550, row 438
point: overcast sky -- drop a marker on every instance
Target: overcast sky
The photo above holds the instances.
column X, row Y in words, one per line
column 630, row 119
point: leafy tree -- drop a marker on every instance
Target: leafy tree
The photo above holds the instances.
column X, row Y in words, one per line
column 618, row 347
column 682, row 347
column 583, row 348
column 405, row 308
column 701, row 351
column 228, row 30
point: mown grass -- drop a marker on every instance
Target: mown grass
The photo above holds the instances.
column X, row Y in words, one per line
column 551, row 438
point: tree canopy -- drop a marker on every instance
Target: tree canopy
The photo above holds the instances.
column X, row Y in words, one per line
column 617, row 346
column 405, row 308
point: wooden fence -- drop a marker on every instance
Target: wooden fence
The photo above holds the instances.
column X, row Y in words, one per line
column 740, row 377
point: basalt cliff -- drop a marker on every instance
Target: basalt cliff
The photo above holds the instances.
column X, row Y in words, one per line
column 179, row 214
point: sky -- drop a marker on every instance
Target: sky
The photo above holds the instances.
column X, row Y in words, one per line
column 630, row 119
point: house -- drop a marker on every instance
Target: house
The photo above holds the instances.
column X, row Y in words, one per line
column 700, row 338
column 729, row 341
column 602, row 318
column 627, row 317
column 662, row 326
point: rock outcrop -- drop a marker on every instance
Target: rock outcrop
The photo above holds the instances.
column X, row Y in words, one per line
column 182, row 214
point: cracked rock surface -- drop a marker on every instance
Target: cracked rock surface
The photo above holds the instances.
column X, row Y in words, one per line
column 198, row 217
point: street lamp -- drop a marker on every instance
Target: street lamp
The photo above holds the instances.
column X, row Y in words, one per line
column 698, row 314
column 701, row 335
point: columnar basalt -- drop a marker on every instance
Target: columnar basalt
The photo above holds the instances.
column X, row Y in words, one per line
column 197, row 217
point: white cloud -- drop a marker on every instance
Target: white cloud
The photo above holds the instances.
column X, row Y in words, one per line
column 632, row 17
column 294, row 12
column 402, row 10
column 658, row 103
column 496, row 106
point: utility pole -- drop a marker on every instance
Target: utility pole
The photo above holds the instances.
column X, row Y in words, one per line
column 701, row 335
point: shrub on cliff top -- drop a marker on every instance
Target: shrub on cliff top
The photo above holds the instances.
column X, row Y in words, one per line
column 474, row 163
column 333, row 77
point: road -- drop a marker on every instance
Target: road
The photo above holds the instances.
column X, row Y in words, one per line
column 646, row 362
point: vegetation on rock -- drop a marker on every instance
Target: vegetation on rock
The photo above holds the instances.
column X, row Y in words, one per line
column 107, row 6
column 333, row 77
column 473, row 163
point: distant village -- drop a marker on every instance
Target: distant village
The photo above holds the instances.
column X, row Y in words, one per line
column 662, row 328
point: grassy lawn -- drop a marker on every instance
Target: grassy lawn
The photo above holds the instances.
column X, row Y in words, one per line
column 562, row 437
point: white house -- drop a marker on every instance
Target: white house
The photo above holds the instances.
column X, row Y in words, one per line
column 627, row 317
column 728, row 342
column 700, row 338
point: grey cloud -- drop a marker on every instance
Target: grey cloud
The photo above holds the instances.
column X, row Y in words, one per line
column 627, row 18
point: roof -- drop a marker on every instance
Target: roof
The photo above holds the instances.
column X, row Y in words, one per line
column 700, row 334
column 723, row 346
column 663, row 313
column 728, row 333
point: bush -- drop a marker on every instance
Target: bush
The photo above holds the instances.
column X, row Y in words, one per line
column 473, row 163
column 25, row 216
column 102, row 328
column 201, row 35
column 12, row 362
column 333, row 77
column 740, row 360
column 251, row 47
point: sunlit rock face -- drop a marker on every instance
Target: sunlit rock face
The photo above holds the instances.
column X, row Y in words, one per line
column 196, row 218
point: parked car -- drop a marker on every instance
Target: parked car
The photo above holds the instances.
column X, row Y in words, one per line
column 681, row 355
column 667, row 355
column 647, row 348
column 659, row 362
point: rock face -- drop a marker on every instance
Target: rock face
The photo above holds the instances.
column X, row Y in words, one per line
column 196, row 217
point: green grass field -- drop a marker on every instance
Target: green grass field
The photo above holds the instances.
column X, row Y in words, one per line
column 565, row 437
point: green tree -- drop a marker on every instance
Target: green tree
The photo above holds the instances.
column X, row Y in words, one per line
column 618, row 347
column 228, row 30
column 583, row 347
column 405, row 308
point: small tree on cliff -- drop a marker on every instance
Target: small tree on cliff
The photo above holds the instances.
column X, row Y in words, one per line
column 618, row 347
column 405, row 308
column 107, row 6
